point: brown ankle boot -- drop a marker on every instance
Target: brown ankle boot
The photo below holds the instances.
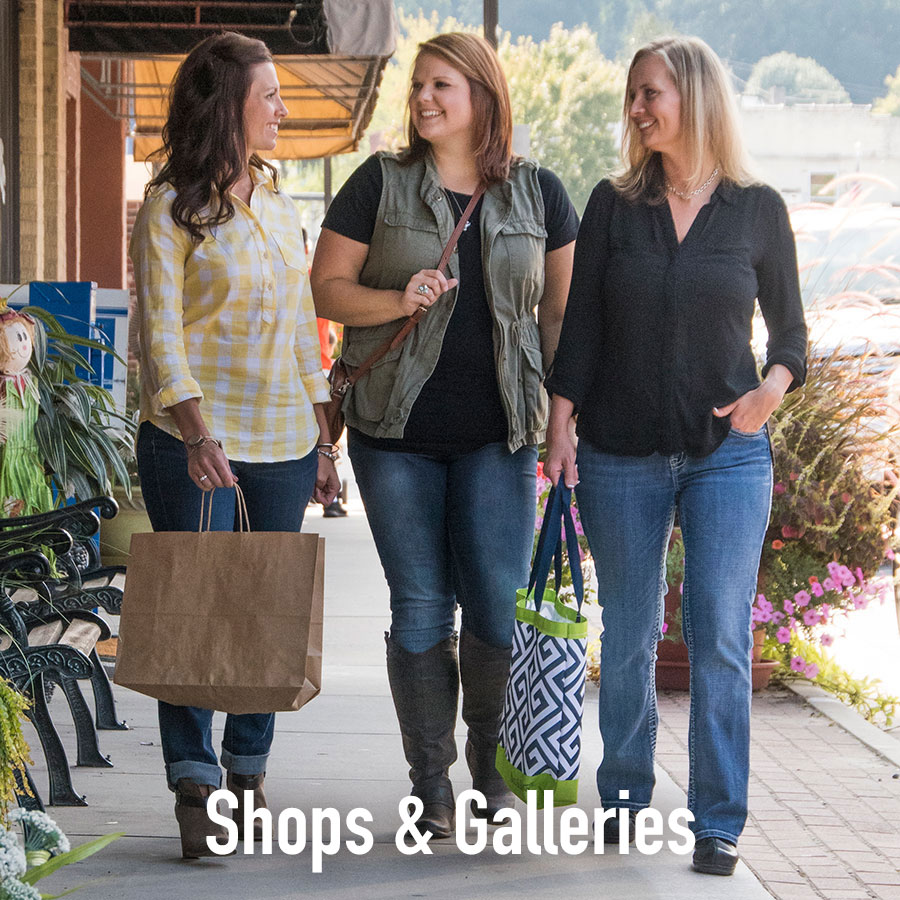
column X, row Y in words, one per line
column 193, row 822
column 237, row 784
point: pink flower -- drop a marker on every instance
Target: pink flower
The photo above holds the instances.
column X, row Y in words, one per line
column 798, row 663
column 783, row 635
column 777, row 616
column 777, row 545
column 811, row 617
column 779, row 488
column 811, row 670
column 788, row 531
column 579, row 529
column 833, row 568
column 789, row 606
column 760, row 615
column 859, row 575
column 827, row 640
column 665, row 627
column 830, row 585
column 846, row 577
column 860, row 602
column 816, row 588
column 801, row 598
column 763, row 604
column 889, row 553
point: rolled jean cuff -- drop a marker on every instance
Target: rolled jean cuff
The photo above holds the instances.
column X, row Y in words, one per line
column 716, row 833
column 244, row 765
column 198, row 772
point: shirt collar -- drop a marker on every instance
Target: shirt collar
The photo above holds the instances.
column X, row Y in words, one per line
column 727, row 190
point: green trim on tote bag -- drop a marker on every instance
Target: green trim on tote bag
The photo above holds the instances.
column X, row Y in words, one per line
column 565, row 793
column 572, row 627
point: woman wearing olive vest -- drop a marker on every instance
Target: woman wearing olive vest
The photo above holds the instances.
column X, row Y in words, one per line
column 443, row 431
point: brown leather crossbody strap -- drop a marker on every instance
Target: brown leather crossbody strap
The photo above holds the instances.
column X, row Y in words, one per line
column 395, row 341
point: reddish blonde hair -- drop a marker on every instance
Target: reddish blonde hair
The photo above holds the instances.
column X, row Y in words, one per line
column 477, row 61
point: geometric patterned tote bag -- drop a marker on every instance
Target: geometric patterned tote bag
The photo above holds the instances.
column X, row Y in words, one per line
column 540, row 733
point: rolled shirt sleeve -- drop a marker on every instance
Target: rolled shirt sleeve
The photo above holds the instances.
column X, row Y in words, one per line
column 307, row 348
column 158, row 251
column 779, row 297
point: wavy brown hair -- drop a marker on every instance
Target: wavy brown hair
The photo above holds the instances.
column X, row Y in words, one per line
column 708, row 121
column 477, row 61
column 204, row 149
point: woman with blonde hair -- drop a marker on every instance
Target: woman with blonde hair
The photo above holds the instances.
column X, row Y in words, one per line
column 655, row 360
column 443, row 430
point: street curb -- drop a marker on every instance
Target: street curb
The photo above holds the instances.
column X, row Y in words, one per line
column 851, row 721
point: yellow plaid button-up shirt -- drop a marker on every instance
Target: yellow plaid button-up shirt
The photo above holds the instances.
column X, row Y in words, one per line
column 230, row 321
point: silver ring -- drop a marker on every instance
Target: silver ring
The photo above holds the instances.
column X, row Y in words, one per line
column 203, row 477
column 423, row 289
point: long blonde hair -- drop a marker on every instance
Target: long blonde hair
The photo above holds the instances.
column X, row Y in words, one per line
column 708, row 122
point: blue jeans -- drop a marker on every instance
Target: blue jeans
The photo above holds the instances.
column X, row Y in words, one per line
column 276, row 495
column 627, row 506
column 448, row 530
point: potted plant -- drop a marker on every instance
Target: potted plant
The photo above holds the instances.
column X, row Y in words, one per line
column 834, row 507
column 79, row 431
column 672, row 663
column 115, row 534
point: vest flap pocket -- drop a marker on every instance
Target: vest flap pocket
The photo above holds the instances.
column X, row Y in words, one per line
column 361, row 343
column 397, row 218
column 524, row 226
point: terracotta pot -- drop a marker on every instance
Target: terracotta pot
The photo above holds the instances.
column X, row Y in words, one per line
column 673, row 669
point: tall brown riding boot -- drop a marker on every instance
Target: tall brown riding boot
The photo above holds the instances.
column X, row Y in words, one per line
column 193, row 822
column 425, row 688
column 484, row 672
column 237, row 784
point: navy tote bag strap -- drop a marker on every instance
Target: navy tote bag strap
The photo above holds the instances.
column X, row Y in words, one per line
column 557, row 520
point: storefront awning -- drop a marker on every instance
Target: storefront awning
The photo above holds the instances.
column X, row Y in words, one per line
column 329, row 75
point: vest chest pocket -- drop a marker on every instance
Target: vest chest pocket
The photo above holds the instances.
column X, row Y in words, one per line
column 410, row 242
column 517, row 260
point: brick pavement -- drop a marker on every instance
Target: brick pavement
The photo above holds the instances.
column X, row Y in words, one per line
column 824, row 809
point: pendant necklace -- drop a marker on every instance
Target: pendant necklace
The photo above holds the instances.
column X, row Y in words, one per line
column 455, row 203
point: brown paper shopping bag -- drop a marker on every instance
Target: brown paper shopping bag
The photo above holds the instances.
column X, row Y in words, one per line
column 224, row 620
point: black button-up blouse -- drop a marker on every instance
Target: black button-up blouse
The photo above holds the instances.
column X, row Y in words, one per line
column 657, row 333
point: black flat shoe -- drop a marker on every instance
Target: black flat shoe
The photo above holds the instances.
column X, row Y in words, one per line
column 611, row 828
column 715, row 856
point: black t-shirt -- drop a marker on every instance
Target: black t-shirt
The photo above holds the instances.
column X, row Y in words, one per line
column 459, row 407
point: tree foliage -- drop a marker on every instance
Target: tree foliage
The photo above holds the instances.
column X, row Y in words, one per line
column 570, row 95
column 857, row 42
column 785, row 77
column 890, row 103
column 562, row 87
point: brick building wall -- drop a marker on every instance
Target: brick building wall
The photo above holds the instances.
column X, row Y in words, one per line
column 43, row 66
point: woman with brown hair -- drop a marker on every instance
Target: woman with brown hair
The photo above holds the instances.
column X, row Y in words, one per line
column 231, row 383
column 443, row 430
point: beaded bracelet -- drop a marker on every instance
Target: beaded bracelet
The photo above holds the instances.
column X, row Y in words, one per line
column 333, row 451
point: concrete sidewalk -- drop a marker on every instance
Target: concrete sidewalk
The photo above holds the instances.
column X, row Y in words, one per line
column 343, row 751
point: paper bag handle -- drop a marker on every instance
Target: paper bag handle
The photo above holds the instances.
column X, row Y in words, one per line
column 243, row 516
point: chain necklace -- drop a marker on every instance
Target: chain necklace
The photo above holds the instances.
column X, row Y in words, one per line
column 454, row 202
column 687, row 195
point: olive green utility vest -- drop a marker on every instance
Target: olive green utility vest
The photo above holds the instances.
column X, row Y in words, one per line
column 413, row 225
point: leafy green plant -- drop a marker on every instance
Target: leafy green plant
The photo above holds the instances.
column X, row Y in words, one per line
column 83, row 438
column 14, row 753
column 862, row 694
